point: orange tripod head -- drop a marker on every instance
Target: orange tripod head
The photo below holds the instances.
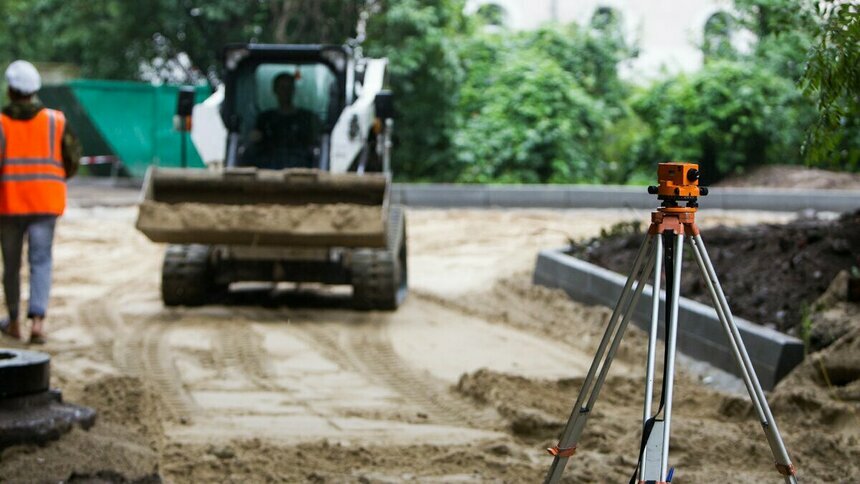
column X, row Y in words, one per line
column 678, row 182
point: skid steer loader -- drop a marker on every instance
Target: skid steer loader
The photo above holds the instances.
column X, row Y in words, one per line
column 303, row 193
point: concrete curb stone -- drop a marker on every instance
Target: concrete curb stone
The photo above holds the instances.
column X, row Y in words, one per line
column 700, row 333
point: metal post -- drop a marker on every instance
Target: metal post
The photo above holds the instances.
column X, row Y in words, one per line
column 183, row 155
column 386, row 148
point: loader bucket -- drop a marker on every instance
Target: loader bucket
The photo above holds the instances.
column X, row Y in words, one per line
column 255, row 207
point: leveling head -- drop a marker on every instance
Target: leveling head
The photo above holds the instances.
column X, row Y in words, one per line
column 678, row 182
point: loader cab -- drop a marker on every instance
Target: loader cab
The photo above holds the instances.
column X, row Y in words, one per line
column 282, row 102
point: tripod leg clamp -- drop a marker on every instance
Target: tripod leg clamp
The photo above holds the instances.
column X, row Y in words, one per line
column 786, row 469
column 562, row 452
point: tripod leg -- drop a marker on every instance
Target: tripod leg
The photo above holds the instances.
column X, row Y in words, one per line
column 602, row 361
column 768, row 423
column 652, row 334
column 652, row 342
column 671, row 343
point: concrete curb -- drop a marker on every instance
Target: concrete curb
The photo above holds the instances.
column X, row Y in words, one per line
column 700, row 333
column 92, row 191
column 609, row 196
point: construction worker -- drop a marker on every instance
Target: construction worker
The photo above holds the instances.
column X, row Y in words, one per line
column 37, row 155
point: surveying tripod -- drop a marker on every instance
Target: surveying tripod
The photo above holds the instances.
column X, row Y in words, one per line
column 671, row 225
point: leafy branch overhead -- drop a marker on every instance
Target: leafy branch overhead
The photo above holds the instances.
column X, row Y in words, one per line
column 832, row 79
column 480, row 103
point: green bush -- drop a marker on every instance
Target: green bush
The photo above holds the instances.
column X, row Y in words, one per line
column 729, row 116
column 418, row 37
column 536, row 125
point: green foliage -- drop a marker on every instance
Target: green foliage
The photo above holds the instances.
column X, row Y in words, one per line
column 832, row 79
column 492, row 14
column 785, row 31
column 718, row 37
column 728, row 116
column 479, row 103
column 591, row 56
column 741, row 109
column 417, row 36
column 535, row 106
column 113, row 38
column 536, row 126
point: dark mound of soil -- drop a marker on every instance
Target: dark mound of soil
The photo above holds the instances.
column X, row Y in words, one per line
column 771, row 274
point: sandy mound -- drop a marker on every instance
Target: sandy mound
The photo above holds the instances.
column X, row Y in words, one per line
column 129, row 402
column 121, row 447
column 259, row 461
column 819, row 422
column 819, row 432
column 302, row 219
column 788, row 176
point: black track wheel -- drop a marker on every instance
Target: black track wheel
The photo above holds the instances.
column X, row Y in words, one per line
column 379, row 276
column 186, row 276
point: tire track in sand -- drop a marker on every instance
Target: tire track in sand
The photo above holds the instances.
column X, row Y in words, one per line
column 367, row 349
column 238, row 345
column 241, row 348
column 140, row 349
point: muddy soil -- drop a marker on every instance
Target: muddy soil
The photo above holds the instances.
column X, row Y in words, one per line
column 287, row 385
column 773, row 274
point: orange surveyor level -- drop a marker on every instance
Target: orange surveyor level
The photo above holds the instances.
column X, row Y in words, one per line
column 677, row 181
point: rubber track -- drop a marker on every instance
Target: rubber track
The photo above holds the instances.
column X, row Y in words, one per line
column 368, row 351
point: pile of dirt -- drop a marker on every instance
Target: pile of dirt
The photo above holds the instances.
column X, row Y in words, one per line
column 256, row 460
column 789, row 176
column 129, row 402
column 819, row 421
column 821, row 432
column 123, row 446
column 772, row 274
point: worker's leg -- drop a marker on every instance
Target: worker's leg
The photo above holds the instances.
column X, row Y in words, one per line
column 40, row 237
column 11, row 241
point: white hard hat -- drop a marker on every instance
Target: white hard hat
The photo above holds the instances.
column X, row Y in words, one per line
column 23, row 77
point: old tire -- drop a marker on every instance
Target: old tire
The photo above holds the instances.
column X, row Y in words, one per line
column 380, row 276
column 23, row 372
column 186, row 276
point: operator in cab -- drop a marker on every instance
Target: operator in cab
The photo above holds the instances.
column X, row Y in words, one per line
column 284, row 137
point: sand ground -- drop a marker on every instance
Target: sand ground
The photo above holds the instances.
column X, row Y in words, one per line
column 467, row 382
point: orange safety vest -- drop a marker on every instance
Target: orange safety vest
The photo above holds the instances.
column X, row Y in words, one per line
column 32, row 177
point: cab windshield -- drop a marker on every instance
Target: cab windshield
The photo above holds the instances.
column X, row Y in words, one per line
column 285, row 114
